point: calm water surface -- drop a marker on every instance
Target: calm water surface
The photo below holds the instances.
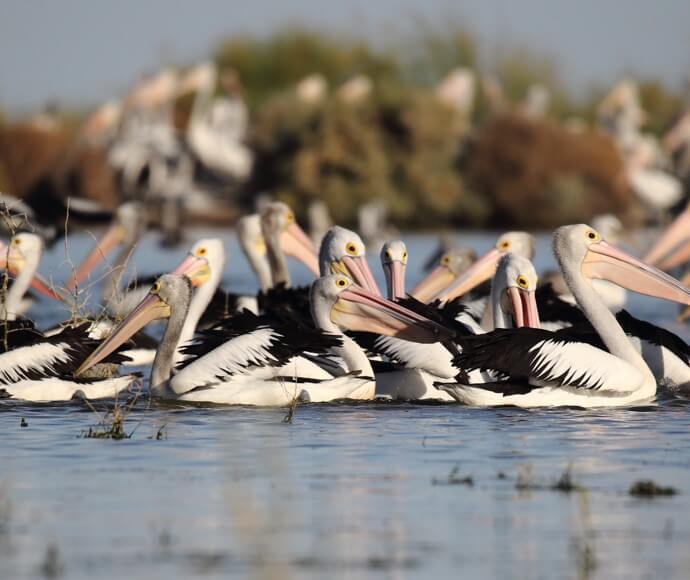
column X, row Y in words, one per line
column 344, row 490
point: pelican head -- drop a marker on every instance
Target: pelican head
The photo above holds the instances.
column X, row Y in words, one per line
column 279, row 225
column 513, row 290
column 204, row 262
column 580, row 250
column 518, row 243
column 673, row 246
column 451, row 265
column 24, row 255
column 338, row 303
column 170, row 295
column 394, row 262
column 128, row 225
column 253, row 245
column 344, row 252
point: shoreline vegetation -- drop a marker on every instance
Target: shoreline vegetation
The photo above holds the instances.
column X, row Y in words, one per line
column 334, row 119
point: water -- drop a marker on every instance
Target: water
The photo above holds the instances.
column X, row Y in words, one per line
column 343, row 490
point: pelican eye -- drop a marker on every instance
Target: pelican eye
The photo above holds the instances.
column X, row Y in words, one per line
column 504, row 245
column 201, row 252
column 522, row 282
column 351, row 249
column 592, row 235
column 404, row 257
column 156, row 287
column 290, row 217
column 389, row 255
column 445, row 260
column 16, row 242
column 341, row 282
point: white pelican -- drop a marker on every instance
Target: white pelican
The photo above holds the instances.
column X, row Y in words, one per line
column 253, row 366
column 39, row 368
column 451, row 265
column 203, row 265
column 285, row 237
column 252, row 242
column 545, row 368
column 267, row 240
column 666, row 354
column 394, row 262
column 343, row 252
column 421, row 366
column 126, row 229
column 610, row 228
column 518, row 243
column 21, row 259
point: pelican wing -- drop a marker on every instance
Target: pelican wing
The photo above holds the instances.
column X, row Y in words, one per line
column 654, row 334
column 40, row 357
column 245, row 343
column 569, row 358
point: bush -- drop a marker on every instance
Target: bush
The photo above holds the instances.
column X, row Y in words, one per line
column 398, row 146
column 538, row 174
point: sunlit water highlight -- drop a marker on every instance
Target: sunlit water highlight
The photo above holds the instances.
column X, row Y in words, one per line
column 344, row 490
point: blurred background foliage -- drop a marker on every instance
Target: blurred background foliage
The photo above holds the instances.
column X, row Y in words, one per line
column 429, row 163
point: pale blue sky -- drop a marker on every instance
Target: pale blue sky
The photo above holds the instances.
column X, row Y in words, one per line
column 81, row 51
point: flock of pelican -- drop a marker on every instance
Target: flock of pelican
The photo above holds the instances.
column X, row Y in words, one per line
column 477, row 331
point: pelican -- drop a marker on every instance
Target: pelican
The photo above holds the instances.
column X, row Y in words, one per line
column 545, row 368
column 673, row 247
column 518, row 243
column 253, row 367
column 39, row 368
column 394, row 262
column 451, row 265
column 285, row 237
column 127, row 227
column 611, row 229
column 267, row 240
column 421, row 366
column 343, row 252
column 21, row 259
column 253, row 245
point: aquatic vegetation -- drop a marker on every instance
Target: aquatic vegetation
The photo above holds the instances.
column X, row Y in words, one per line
column 526, row 481
column 111, row 424
column 649, row 488
column 454, row 478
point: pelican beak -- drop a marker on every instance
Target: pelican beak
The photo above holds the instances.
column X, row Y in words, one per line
column 675, row 234
column 115, row 235
column 481, row 271
column 395, row 276
column 356, row 268
column 149, row 309
column 680, row 255
column 197, row 269
column 683, row 316
column 436, row 282
column 524, row 305
column 606, row 262
column 14, row 261
column 359, row 310
column 45, row 288
column 297, row 244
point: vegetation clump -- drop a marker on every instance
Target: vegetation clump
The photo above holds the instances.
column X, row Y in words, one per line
column 648, row 488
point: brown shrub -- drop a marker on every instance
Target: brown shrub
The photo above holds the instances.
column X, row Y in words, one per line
column 538, row 174
column 28, row 153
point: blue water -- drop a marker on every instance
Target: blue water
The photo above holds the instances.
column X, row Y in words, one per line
column 344, row 491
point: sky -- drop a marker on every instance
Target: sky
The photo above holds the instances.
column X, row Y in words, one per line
column 80, row 52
